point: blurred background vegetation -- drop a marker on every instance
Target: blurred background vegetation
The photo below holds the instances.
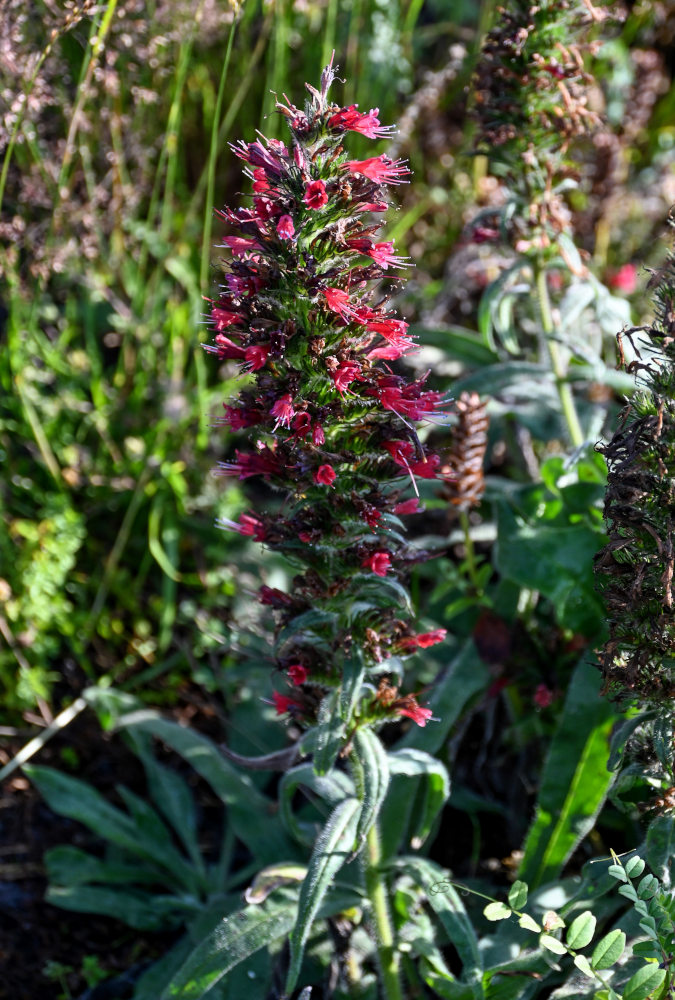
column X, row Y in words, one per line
column 116, row 121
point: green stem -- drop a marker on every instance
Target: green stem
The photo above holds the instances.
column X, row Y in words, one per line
column 471, row 567
column 377, row 893
column 564, row 389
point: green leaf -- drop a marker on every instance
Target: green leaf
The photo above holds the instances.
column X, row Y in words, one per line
column 496, row 378
column 353, row 671
column 628, row 891
column 372, row 768
column 70, row 866
column 431, row 796
column 618, row 872
column 584, row 966
column 518, row 895
column 581, row 930
column 332, row 788
column 661, row 848
column 491, row 297
column 332, row 849
column 552, row 944
column 78, row 800
column 608, row 950
column 634, row 867
column 497, row 911
column 143, row 911
column 250, row 813
column 327, row 736
column 528, row 923
column 648, row 887
column 152, row 830
column 556, row 560
column 234, row 939
column 645, row 981
column 575, row 780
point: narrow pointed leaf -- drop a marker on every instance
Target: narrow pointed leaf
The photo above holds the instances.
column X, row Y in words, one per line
column 333, row 847
column 372, row 766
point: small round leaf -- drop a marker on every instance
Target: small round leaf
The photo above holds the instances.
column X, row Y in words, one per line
column 635, row 867
column 608, row 950
column 497, row 911
column 552, row 944
column 581, row 930
column 584, row 966
column 518, row 895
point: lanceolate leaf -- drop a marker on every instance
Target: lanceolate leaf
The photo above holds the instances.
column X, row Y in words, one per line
column 249, row 812
column 332, row 849
column 435, row 789
column 372, row 768
column 575, row 780
column 235, row 938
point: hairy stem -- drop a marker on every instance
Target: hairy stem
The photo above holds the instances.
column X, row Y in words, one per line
column 377, row 893
column 564, row 389
column 471, row 566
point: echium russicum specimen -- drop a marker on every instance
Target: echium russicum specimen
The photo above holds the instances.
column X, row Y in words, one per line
column 330, row 424
column 635, row 569
column 531, row 101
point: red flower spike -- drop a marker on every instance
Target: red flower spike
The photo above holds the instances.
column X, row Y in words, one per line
column 315, row 343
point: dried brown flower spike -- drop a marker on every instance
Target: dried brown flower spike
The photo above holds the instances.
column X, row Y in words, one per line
column 466, row 483
column 635, row 569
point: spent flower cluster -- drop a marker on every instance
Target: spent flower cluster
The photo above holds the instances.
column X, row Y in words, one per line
column 330, row 423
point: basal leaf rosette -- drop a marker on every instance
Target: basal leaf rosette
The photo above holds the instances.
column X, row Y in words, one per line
column 330, row 424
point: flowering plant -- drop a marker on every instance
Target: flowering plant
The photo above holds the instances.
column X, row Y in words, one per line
column 331, row 425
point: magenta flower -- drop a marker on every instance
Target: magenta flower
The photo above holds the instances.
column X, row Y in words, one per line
column 297, row 673
column 367, row 123
column 415, row 712
column 315, row 196
column 422, row 641
column 283, row 410
column 325, row 475
column 285, row 227
column 379, row 169
column 378, row 563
